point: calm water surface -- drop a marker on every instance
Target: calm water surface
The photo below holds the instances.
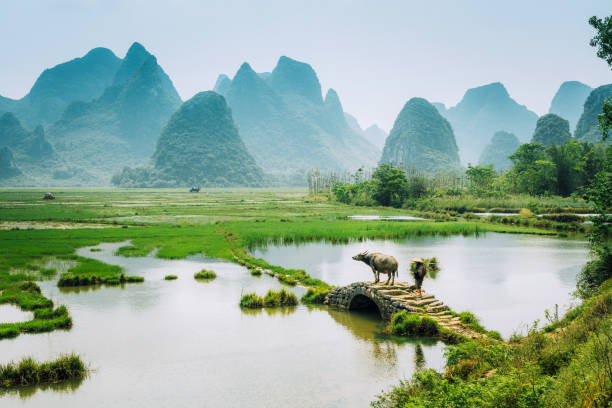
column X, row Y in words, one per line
column 185, row 343
column 507, row 280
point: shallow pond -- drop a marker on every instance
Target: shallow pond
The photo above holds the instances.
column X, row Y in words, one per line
column 186, row 343
column 13, row 314
column 507, row 280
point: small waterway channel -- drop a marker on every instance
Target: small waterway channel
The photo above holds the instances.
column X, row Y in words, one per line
column 507, row 280
column 186, row 343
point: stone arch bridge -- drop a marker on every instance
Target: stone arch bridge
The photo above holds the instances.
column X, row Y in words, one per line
column 389, row 300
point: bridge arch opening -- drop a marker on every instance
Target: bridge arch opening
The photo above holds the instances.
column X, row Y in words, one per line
column 365, row 304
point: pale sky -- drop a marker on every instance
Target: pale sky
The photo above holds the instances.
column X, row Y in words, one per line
column 375, row 54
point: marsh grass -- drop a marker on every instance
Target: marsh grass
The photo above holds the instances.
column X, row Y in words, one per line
column 133, row 251
column 314, row 296
column 205, row 274
column 470, row 320
column 29, row 372
column 251, row 301
column 273, row 298
column 411, row 324
column 92, row 272
column 170, row 277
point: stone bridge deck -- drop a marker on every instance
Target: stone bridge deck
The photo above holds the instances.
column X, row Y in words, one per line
column 392, row 299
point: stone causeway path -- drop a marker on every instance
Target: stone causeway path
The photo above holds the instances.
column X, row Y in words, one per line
column 392, row 299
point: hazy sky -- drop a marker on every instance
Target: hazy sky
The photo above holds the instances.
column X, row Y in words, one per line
column 376, row 54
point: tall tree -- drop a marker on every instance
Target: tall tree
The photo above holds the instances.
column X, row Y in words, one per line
column 599, row 194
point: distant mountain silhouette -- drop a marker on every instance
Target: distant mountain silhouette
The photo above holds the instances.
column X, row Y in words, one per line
column 122, row 126
column 421, row 138
column 569, row 100
column 587, row 129
column 287, row 125
column 373, row 133
column 81, row 79
column 482, row 112
column 503, row 144
column 8, row 168
column 26, row 153
column 200, row 145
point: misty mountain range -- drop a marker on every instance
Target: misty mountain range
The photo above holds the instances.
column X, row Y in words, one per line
column 98, row 116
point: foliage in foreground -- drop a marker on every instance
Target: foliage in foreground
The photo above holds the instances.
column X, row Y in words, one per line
column 570, row 366
column 314, row 296
column 29, row 372
column 273, row 298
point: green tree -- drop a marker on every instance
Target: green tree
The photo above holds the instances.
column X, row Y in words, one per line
column 389, row 185
column 599, row 193
column 603, row 42
column 526, row 155
column 603, row 38
column 481, row 179
column 539, row 178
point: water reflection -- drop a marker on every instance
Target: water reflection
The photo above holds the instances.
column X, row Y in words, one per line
column 366, row 325
column 419, row 357
column 13, row 314
column 270, row 311
column 65, row 387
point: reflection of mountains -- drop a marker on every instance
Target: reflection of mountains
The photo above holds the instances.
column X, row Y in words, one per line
column 24, row 393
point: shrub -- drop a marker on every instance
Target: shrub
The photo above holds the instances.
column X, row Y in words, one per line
column 251, row 301
column 170, row 277
column 279, row 298
column 563, row 217
column 205, row 274
column 29, row 372
column 256, row 272
column 314, row 296
column 403, row 323
column 287, row 280
column 272, row 299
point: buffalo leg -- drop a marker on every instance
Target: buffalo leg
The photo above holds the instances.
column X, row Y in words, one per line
column 388, row 279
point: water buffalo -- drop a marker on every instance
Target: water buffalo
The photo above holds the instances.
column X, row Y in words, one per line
column 380, row 263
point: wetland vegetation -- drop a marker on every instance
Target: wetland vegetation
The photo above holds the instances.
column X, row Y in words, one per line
column 30, row 372
column 205, row 274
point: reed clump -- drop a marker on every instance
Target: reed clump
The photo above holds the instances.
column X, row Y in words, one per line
column 403, row 324
column 273, row 298
column 29, row 372
column 314, row 296
column 170, row 277
column 205, row 274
